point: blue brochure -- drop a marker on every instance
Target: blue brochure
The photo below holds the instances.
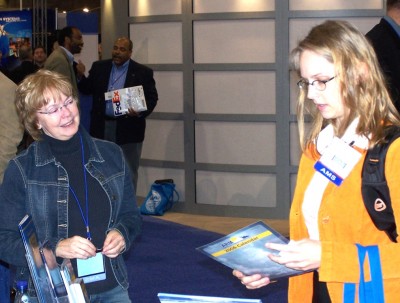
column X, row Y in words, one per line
column 245, row 251
column 171, row 298
column 36, row 266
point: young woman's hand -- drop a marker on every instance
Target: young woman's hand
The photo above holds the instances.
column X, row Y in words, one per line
column 253, row 281
column 300, row 255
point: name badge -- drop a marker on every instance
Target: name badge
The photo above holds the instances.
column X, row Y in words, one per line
column 92, row 269
column 337, row 161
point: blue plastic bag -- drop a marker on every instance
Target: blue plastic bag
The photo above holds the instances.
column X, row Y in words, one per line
column 161, row 197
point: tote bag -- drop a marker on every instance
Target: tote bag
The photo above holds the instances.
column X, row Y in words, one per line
column 161, row 197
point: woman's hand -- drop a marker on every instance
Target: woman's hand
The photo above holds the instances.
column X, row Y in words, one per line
column 114, row 244
column 253, row 281
column 75, row 247
column 300, row 255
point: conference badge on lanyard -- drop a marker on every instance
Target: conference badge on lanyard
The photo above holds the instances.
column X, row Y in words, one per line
column 337, row 161
column 91, row 269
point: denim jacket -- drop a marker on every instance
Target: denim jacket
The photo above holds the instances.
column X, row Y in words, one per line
column 36, row 184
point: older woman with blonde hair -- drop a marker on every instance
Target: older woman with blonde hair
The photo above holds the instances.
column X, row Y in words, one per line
column 77, row 190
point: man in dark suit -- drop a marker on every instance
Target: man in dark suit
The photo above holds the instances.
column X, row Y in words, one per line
column 39, row 56
column 3, row 68
column 385, row 38
column 26, row 67
column 120, row 72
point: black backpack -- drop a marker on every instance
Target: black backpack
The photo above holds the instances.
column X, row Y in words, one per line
column 374, row 188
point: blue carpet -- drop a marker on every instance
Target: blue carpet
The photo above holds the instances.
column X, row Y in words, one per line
column 165, row 259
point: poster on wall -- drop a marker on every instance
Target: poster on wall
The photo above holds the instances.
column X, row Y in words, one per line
column 15, row 31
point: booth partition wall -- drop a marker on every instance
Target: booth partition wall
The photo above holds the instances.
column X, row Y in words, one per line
column 225, row 126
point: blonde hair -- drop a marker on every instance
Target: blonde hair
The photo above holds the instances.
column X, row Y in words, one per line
column 361, row 82
column 36, row 91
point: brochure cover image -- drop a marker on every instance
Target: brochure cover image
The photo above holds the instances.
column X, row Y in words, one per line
column 124, row 98
column 245, row 251
column 37, row 268
column 53, row 271
column 174, row 298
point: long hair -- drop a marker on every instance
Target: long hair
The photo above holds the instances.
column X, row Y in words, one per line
column 362, row 84
column 30, row 96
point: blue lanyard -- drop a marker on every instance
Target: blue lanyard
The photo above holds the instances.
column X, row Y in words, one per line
column 85, row 219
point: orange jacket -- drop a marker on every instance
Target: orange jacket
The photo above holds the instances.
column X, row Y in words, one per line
column 344, row 221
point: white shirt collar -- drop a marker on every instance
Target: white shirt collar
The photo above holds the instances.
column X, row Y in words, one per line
column 326, row 136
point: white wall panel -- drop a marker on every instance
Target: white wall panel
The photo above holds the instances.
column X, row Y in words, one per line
column 159, row 42
column 295, row 150
column 294, row 92
column 235, row 92
column 235, row 189
column 230, row 6
column 235, row 143
column 163, row 140
column 89, row 52
column 170, row 91
column 226, row 39
column 154, row 7
column 233, row 41
column 299, row 28
column 147, row 175
column 334, row 5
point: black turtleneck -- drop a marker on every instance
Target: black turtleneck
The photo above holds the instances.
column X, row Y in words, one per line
column 69, row 154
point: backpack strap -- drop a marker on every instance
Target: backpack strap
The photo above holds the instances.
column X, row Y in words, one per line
column 374, row 188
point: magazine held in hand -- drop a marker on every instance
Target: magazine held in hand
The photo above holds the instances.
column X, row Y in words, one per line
column 175, row 298
column 245, row 251
column 124, row 98
column 48, row 278
column 37, row 268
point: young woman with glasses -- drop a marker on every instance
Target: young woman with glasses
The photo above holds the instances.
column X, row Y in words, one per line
column 342, row 88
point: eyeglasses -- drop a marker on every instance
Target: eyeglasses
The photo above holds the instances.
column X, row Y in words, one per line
column 318, row 84
column 57, row 109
